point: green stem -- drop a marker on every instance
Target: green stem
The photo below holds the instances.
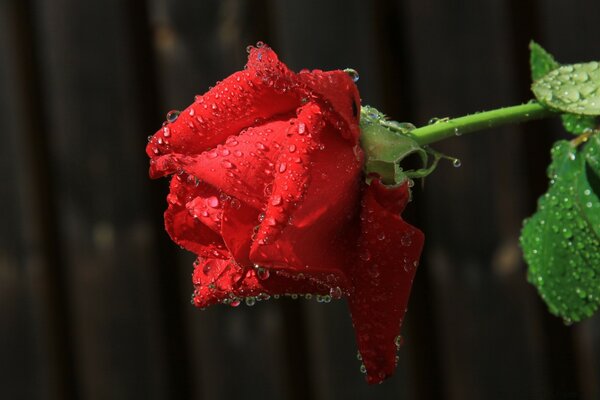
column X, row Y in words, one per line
column 444, row 129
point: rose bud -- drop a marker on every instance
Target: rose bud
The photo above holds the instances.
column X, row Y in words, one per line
column 267, row 188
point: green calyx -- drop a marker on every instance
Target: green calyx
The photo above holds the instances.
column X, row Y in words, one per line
column 387, row 143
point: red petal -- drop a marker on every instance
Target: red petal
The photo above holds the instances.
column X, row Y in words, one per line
column 240, row 221
column 260, row 92
column 309, row 239
column 339, row 95
column 389, row 251
column 243, row 166
column 224, row 281
column 199, row 235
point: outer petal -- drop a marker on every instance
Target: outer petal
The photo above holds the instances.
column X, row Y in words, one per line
column 389, row 251
column 339, row 95
column 224, row 281
column 308, row 216
column 185, row 222
column 260, row 92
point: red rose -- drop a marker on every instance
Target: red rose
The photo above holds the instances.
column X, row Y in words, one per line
column 268, row 191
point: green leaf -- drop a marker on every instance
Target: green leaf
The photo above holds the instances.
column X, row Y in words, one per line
column 578, row 124
column 561, row 241
column 571, row 88
column 543, row 63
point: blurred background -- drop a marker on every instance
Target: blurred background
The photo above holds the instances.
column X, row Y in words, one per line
column 94, row 297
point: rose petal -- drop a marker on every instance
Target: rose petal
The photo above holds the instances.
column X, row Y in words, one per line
column 187, row 231
column 338, row 93
column 262, row 91
column 224, row 281
column 389, row 251
column 313, row 241
column 238, row 229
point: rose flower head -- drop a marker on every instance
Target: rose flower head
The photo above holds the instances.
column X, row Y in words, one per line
column 268, row 190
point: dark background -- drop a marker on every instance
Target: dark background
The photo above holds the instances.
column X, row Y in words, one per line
column 94, row 297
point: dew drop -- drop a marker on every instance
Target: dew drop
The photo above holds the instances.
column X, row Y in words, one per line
column 301, row 128
column 268, row 189
column 365, row 255
column 261, row 146
column 226, row 164
column 292, row 148
column 261, row 272
column 212, row 201
column 353, row 74
column 398, row 341
column 282, row 167
column 456, row 163
column 235, row 204
column 235, row 302
column 172, row 116
column 250, row 301
column 335, row 292
column 166, row 131
column 270, row 221
column 276, row 200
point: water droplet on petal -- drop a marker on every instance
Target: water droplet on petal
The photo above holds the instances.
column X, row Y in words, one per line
column 335, row 292
column 365, row 255
column 406, row 239
column 276, row 200
column 261, row 272
column 353, row 74
column 282, row 167
column 261, row 146
column 212, row 201
column 301, row 128
column 398, row 341
column 172, row 115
